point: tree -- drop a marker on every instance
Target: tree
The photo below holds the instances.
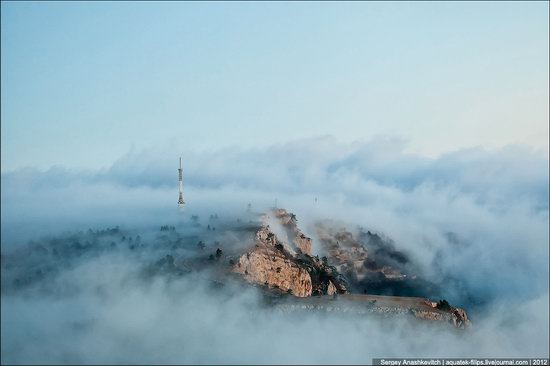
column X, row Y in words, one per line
column 443, row 305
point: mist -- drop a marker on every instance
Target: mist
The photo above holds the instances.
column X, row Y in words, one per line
column 475, row 222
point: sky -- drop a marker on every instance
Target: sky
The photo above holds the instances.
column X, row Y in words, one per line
column 83, row 83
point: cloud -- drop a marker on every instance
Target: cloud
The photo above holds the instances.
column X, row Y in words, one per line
column 114, row 318
column 474, row 221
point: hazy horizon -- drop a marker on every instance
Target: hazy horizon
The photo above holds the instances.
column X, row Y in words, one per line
column 83, row 83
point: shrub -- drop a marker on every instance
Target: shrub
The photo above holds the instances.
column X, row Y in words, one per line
column 443, row 305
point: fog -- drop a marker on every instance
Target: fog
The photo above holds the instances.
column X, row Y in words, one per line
column 475, row 222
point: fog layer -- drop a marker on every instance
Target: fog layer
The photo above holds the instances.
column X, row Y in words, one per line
column 474, row 221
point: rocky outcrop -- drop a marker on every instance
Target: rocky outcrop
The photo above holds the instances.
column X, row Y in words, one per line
column 267, row 266
column 460, row 319
column 457, row 317
column 322, row 275
column 303, row 243
column 350, row 256
column 296, row 238
column 331, row 290
column 370, row 262
column 286, row 265
column 271, row 264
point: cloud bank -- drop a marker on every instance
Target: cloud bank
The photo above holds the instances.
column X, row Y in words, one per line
column 475, row 221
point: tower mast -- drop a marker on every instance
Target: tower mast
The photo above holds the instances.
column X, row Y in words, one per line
column 180, row 198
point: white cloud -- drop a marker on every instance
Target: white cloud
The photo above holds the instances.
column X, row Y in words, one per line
column 495, row 202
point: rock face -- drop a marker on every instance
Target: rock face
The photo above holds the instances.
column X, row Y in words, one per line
column 269, row 263
column 350, row 256
column 286, row 265
column 460, row 319
column 449, row 313
column 371, row 264
column 345, row 253
column 303, row 243
column 331, row 290
column 297, row 239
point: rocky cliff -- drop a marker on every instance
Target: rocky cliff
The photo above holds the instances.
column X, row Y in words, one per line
column 349, row 255
column 269, row 264
column 298, row 240
column 285, row 263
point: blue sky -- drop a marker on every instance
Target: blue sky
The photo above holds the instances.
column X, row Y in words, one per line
column 84, row 82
